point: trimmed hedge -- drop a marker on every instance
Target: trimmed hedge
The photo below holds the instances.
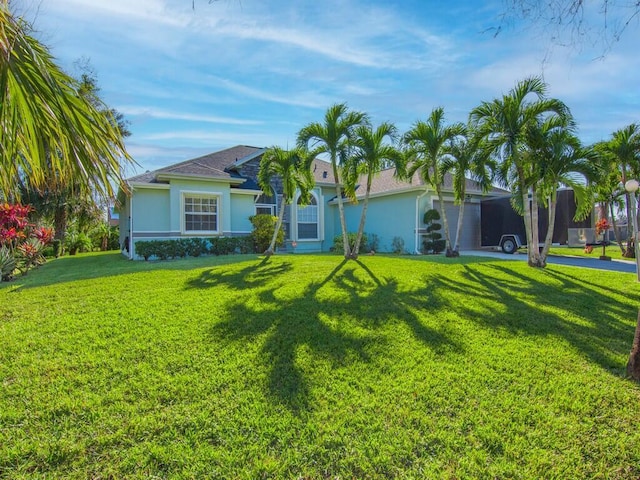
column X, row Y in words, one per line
column 193, row 247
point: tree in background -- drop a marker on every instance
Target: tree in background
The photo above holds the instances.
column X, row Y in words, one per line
column 502, row 124
column 624, row 149
column 372, row 150
column 293, row 167
column 334, row 137
column 427, row 152
column 42, row 110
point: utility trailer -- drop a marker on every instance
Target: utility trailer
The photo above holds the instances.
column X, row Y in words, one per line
column 502, row 227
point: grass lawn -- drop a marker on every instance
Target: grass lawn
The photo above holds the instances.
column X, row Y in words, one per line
column 306, row 366
column 612, row 251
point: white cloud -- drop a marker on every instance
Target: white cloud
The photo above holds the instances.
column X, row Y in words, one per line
column 190, row 117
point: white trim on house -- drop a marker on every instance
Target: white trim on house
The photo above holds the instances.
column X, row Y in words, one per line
column 201, row 194
column 244, row 191
column 157, row 186
column 186, row 176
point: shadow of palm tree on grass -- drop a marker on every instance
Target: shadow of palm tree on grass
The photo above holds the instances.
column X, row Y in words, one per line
column 574, row 310
column 335, row 319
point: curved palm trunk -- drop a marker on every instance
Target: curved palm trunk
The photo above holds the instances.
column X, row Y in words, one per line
column 445, row 225
column 633, row 366
column 343, row 221
column 456, row 247
column 272, row 245
column 363, row 217
column 553, row 203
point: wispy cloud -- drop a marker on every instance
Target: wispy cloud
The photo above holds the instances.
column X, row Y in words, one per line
column 190, row 117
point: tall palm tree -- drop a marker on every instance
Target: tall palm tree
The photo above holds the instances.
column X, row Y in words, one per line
column 427, row 144
column 293, row 167
column 334, row 137
column 502, row 124
column 561, row 160
column 371, row 153
column 42, row 111
column 624, row 146
column 466, row 159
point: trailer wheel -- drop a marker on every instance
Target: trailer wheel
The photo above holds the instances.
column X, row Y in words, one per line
column 509, row 245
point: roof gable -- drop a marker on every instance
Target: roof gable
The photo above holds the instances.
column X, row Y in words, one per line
column 215, row 165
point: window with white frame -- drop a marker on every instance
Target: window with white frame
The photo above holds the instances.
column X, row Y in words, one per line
column 308, row 220
column 201, row 213
column 265, row 204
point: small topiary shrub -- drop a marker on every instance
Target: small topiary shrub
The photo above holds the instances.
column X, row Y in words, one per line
column 433, row 242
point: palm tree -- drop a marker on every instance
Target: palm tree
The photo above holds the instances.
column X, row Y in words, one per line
column 293, row 167
column 334, row 137
column 502, row 124
column 42, row 111
column 561, row 160
column 427, row 150
column 466, row 159
column 625, row 148
column 371, row 153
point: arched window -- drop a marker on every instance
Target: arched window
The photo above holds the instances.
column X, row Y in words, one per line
column 308, row 220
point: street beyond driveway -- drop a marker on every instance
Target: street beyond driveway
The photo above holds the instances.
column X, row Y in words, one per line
column 613, row 265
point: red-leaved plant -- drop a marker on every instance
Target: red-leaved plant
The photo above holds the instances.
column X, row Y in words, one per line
column 21, row 242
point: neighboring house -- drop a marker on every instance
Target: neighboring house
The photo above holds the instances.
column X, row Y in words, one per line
column 214, row 195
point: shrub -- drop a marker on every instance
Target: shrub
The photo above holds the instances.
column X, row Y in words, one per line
column 21, row 242
column 433, row 242
column 7, row 264
column 263, row 227
column 373, row 244
column 338, row 247
column 75, row 241
column 144, row 249
column 194, row 247
column 397, row 245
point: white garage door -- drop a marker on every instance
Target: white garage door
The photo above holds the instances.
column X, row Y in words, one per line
column 470, row 236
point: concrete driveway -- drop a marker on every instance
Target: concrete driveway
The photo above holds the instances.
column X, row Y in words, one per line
column 613, row 265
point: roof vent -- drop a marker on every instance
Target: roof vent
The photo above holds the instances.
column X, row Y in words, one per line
column 324, row 174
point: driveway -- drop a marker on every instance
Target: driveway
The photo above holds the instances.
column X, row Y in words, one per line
column 613, row 265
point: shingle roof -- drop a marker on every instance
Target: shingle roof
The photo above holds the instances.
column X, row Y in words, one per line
column 213, row 165
column 386, row 182
column 221, row 165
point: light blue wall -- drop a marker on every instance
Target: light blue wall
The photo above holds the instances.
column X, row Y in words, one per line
column 150, row 210
column 242, row 207
column 389, row 216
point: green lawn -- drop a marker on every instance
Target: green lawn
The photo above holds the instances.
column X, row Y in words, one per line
column 309, row 367
column 612, row 251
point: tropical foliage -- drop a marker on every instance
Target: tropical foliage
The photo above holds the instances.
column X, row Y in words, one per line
column 50, row 132
column 427, row 153
column 334, row 137
column 293, row 170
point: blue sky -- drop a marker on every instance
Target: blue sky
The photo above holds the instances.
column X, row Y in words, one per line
column 254, row 72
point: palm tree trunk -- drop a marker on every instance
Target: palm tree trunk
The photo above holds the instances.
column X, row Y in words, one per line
column 363, row 217
column 633, row 366
column 534, row 253
column 553, row 203
column 445, row 224
column 343, row 222
column 616, row 229
column 456, row 247
column 527, row 220
column 272, row 245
